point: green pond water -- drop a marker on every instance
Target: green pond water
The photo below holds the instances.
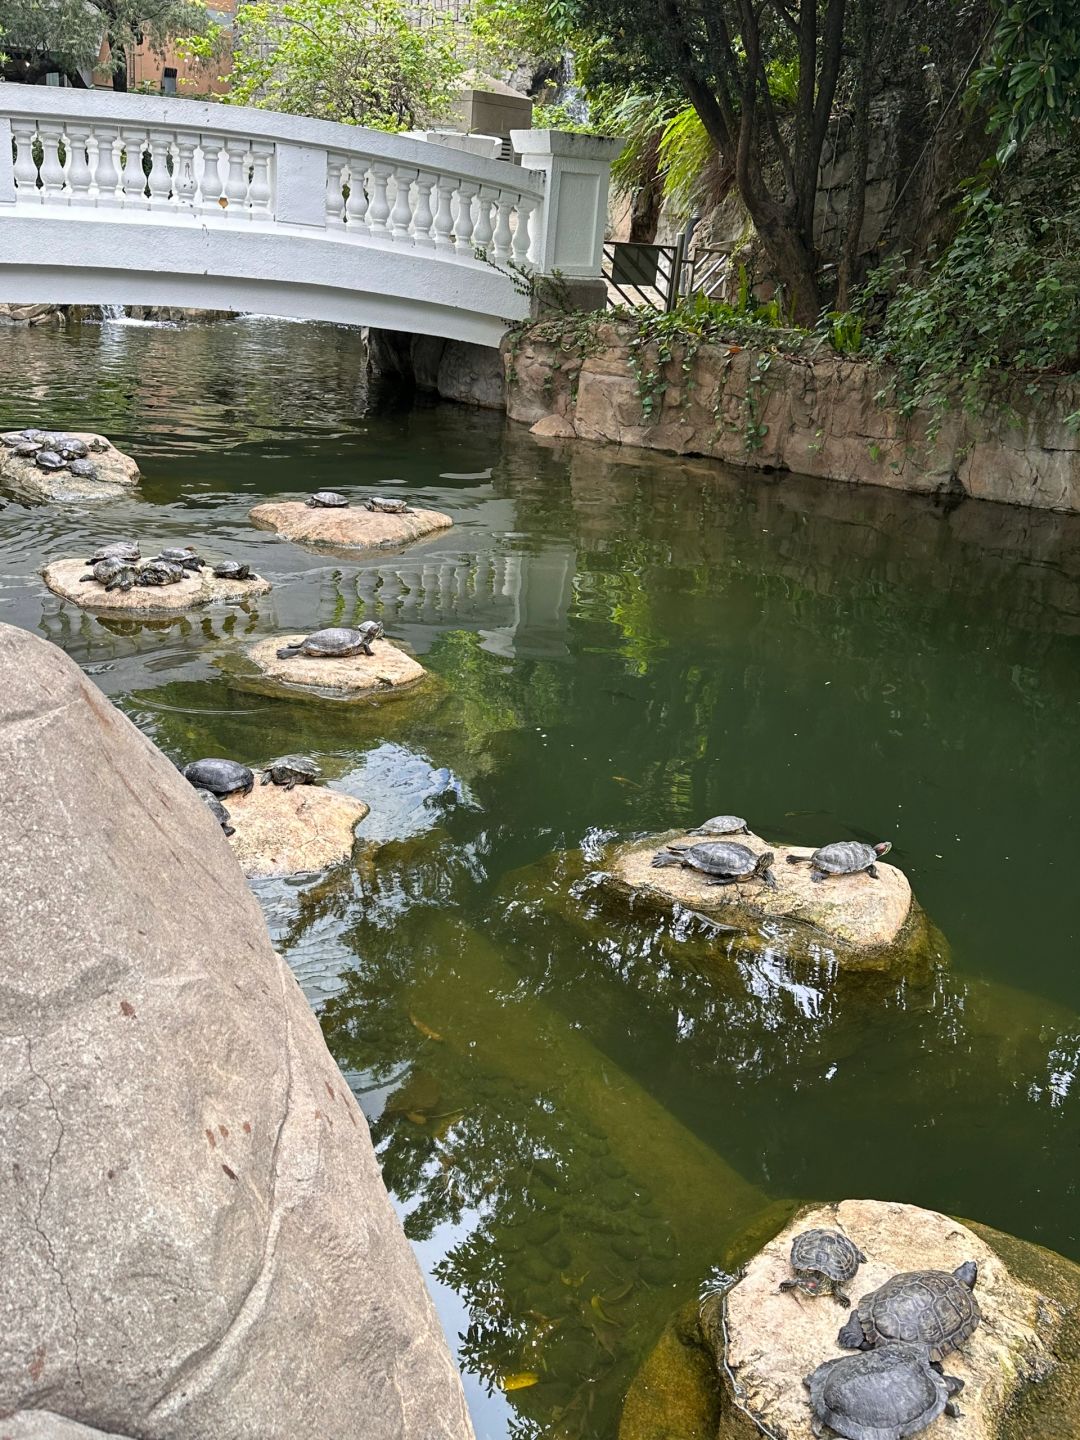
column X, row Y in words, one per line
column 581, row 1113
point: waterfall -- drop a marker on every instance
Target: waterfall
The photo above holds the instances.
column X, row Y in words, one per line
column 111, row 312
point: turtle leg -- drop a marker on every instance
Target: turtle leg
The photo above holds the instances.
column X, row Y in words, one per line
column 852, row 1336
column 817, row 876
column 228, row 829
column 722, row 880
column 367, row 650
column 266, row 777
column 841, row 1298
column 872, row 871
column 289, row 786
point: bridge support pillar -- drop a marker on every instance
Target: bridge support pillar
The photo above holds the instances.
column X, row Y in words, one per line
column 577, row 171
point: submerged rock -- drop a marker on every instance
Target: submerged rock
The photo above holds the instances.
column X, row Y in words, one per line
column 113, row 473
column 767, row 1341
column 194, row 589
column 291, row 832
column 197, row 1240
column 350, row 527
column 385, row 671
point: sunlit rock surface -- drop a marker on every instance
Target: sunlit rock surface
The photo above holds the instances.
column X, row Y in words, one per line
column 386, row 670
column 291, row 832
column 768, row 1341
column 197, row 1241
column 115, row 473
column 197, row 588
column 348, row 527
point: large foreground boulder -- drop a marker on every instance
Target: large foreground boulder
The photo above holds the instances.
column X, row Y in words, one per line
column 197, row 1242
column 114, row 473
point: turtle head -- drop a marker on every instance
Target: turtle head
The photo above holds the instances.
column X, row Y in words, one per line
column 763, row 868
column 883, row 849
column 967, row 1273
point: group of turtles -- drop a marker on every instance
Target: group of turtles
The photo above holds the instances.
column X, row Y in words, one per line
column 120, row 566
column 53, row 450
column 215, row 780
column 379, row 504
column 894, row 1386
column 726, row 862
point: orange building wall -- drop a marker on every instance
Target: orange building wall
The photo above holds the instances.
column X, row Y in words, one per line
column 146, row 67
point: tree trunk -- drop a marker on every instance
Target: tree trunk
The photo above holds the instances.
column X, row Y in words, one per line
column 645, row 211
column 118, row 55
column 860, row 143
column 793, row 262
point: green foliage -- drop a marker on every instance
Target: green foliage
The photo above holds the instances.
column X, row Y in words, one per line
column 1031, row 78
column 70, row 32
column 361, row 62
column 845, row 331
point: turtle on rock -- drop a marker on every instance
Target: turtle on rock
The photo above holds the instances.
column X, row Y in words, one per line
column 220, row 777
column 184, row 556
column 232, row 570
column 113, row 574
column 291, row 770
column 932, row 1308
column 83, row 469
column 824, row 1261
column 722, row 825
column 49, row 460
column 725, row 862
column 886, row 1394
column 217, row 809
column 326, row 500
column 384, row 506
column 336, row 643
column 126, row 550
column 72, row 448
column 159, row 572
column 843, row 857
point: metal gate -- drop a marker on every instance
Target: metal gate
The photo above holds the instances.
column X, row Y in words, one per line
column 659, row 276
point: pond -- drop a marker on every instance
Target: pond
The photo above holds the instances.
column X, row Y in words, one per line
column 581, row 1114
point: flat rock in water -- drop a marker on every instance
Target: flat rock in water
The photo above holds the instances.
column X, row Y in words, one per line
column 349, row 527
column 198, row 587
column 774, row 1340
column 854, row 911
column 116, row 474
column 292, row 832
column 388, row 669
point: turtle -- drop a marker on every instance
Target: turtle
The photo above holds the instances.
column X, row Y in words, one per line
column 722, row 825
column 220, row 777
column 291, row 770
column 27, row 449
column 11, row 438
column 387, row 507
column 932, row 1308
column 843, row 857
column 116, row 550
column 37, row 437
column 336, row 643
column 159, row 572
column 887, row 1394
column 72, row 448
column 83, row 469
column 217, row 809
column 823, row 1261
column 725, row 862
column 113, row 574
column 184, row 556
column 326, row 500
column 232, row 570
column 49, row 460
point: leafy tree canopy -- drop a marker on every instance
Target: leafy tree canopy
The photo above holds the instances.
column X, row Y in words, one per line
column 70, row 32
column 1032, row 73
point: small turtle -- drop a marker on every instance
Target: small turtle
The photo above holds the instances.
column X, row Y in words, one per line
column 387, row 507
column 336, row 643
column 291, row 770
column 116, row 550
column 36, row 437
column 27, row 449
column 887, row 1394
column 722, row 825
column 232, row 570
column 326, row 500
column 725, row 862
column 11, row 438
column 217, row 809
column 220, row 777
column 932, row 1308
column 159, row 572
column 843, row 857
column 184, row 556
column 72, row 448
column 83, row 469
column 823, row 1261
column 113, row 574
column 49, row 460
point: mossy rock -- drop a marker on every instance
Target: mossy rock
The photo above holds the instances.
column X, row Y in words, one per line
column 675, row 1395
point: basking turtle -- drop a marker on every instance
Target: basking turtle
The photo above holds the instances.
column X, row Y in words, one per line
column 72, row 448
column 291, row 770
column 217, row 809
column 725, row 862
column 722, row 825
column 887, row 1394
column 116, row 550
column 27, row 449
column 232, row 570
column 37, row 437
column 925, row 1307
column 113, row 574
column 336, row 643
column 184, row 556
column 843, row 857
column 823, row 1261
column 387, row 507
column 220, row 777
column 49, row 460
column 326, row 500
column 83, row 469
column 10, row 438
column 159, row 572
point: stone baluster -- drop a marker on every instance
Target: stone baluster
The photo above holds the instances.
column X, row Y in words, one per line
column 503, row 234
column 184, row 183
column 106, row 171
column 522, row 239
column 211, row 146
column 76, row 140
column 159, row 148
column 422, row 216
column 464, row 220
column 401, row 215
column 335, row 185
column 52, row 170
column 356, row 207
column 379, row 209
column 26, row 172
column 236, row 182
column 483, row 233
column 444, row 213
column 260, row 191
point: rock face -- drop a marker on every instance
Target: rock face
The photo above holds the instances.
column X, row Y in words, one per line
column 115, row 474
column 774, row 1339
column 350, row 527
column 813, row 414
column 388, row 669
column 865, row 917
column 197, row 1239
column 198, row 587
column 25, row 315
column 290, row 832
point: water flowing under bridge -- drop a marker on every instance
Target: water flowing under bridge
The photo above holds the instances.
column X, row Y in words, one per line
column 132, row 199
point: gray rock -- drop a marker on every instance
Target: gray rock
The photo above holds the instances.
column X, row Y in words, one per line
column 197, row 1241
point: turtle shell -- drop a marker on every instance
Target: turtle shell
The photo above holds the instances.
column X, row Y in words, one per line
column 720, row 857
column 327, row 500
column 116, row 550
column 337, row 640
column 722, row 825
column 826, row 1252
column 885, row 1394
column 49, row 460
column 83, row 469
column 220, row 777
column 844, row 857
column 72, row 448
column 232, row 570
column 923, row 1307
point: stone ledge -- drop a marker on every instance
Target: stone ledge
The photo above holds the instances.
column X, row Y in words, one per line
column 350, row 527
column 202, row 587
column 355, row 675
column 291, row 832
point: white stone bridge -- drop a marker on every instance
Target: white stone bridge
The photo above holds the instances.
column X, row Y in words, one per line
column 140, row 200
